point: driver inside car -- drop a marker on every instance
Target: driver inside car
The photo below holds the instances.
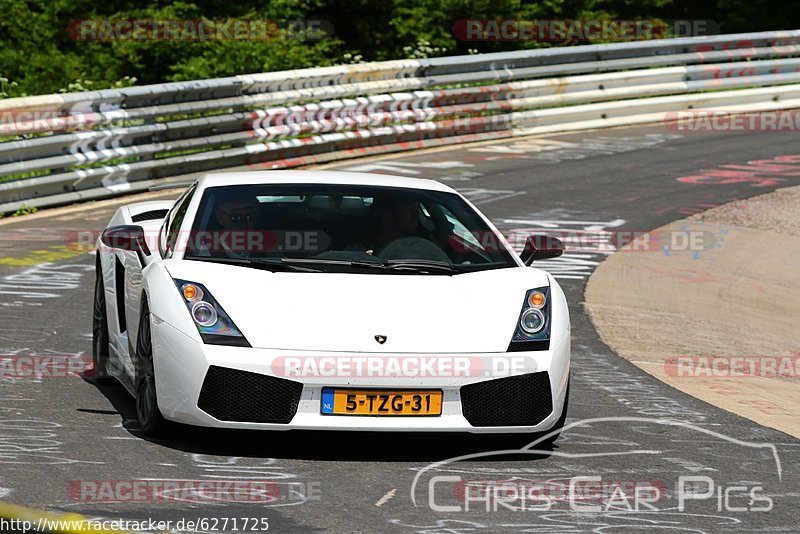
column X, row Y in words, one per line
column 238, row 235
column 400, row 233
column 399, row 218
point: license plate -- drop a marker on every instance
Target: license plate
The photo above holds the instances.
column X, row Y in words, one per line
column 381, row 402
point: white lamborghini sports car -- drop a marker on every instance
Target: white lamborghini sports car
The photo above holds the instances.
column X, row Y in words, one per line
column 329, row 300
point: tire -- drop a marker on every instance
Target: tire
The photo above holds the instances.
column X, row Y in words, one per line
column 151, row 422
column 100, row 332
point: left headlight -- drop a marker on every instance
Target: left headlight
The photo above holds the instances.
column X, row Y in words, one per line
column 533, row 324
column 214, row 325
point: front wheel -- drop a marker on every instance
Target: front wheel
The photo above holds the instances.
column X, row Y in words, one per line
column 99, row 332
column 151, row 422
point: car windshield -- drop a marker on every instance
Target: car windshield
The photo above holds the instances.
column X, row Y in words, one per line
column 307, row 227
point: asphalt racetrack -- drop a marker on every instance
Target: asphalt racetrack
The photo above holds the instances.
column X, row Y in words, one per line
column 699, row 468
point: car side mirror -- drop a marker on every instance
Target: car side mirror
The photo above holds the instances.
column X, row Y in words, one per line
column 541, row 247
column 126, row 237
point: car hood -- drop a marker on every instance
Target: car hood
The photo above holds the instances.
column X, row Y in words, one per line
column 475, row 312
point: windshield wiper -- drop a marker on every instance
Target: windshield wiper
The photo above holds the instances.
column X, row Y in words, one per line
column 421, row 266
column 324, row 261
column 417, row 266
column 256, row 263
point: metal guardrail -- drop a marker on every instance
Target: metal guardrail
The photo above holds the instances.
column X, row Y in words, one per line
column 70, row 147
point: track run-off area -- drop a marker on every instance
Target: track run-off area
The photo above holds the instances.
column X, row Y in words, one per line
column 67, row 445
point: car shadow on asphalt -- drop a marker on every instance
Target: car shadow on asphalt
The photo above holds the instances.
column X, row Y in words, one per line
column 325, row 445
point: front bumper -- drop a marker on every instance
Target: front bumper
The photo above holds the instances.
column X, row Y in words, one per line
column 181, row 366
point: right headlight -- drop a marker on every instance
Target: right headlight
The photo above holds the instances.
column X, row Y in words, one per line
column 214, row 325
column 533, row 324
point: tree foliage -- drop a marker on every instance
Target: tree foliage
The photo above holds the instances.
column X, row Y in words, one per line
column 38, row 54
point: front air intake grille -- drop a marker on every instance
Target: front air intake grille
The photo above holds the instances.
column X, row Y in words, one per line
column 232, row 395
column 523, row 400
column 151, row 215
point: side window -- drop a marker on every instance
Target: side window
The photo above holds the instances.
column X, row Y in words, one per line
column 172, row 223
column 460, row 230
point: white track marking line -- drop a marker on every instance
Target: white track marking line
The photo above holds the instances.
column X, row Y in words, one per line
column 386, row 498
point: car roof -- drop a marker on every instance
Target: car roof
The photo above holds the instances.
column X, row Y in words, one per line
column 318, row 177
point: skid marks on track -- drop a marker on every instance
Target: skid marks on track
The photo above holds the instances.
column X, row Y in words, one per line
column 284, row 487
column 43, row 281
column 553, row 151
